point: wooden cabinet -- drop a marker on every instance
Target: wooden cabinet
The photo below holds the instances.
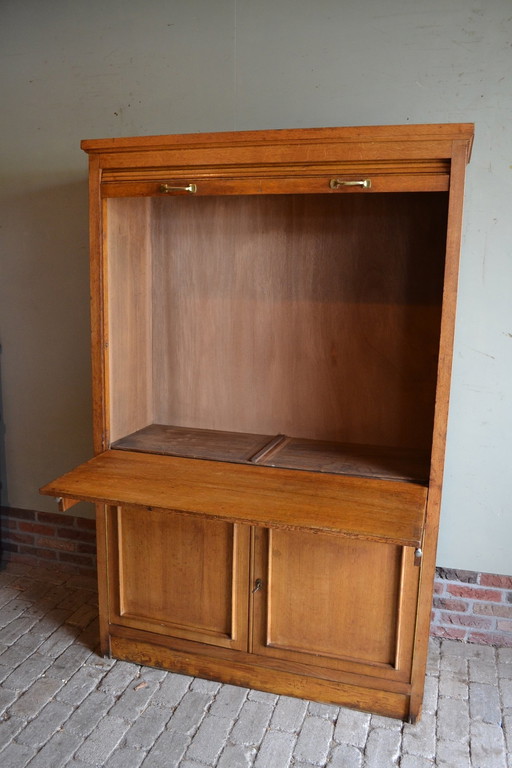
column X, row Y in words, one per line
column 272, row 322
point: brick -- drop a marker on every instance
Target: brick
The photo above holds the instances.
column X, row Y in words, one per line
column 16, row 629
column 209, row 740
column 189, row 713
column 236, row 756
column 493, row 609
column 85, row 522
column 289, row 714
column 451, row 633
column 270, row 698
column 168, row 750
column 228, row 701
column 27, row 673
column 75, row 558
column 125, row 758
column 40, row 528
column 12, row 610
column 352, row 727
column 487, row 746
column 450, row 604
column 420, row 739
column 495, row 580
column 506, row 693
column 475, row 593
column 453, row 687
column 17, row 755
column 505, row 655
column 413, row 761
column 452, row 754
column 379, row 721
column 314, row 740
column 490, row 638
column 118, row 678
column 382, row 748
column 42, row 728
column 22, row 538
column 6, row 698
column 252, row 722
column 276, row 750
column 20, row 514
column 9, row 728
column 452, row 574
column 482, row 671
column 328, row 711
column 484, row 703
column 100, row 744
column 430, row 694
column 345, row 756
column 463, row 620
column 504, row 626
column 172, row 690
column 89, row 713
column 38, row 553
column 205, row 686
column 83, row 616
column 80, row 685
column 74, row 534
column 55, row 518
column 453, row 720
column 438, row 588
column 58, row 641
column 148, row 727
column 134, row 700
column 34, row 699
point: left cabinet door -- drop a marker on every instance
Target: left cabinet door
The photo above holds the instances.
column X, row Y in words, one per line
column 178, row 574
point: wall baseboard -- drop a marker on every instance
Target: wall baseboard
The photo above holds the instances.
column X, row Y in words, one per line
column 468, row 606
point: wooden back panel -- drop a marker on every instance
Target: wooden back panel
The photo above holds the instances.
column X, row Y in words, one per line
column 316, row 316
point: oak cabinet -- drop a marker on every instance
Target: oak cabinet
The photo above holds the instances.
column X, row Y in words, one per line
column 272, row 322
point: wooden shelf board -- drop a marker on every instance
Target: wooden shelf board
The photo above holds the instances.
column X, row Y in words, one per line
column 330, row 457
column 380, row 510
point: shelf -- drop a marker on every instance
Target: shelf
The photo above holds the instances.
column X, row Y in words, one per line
column 382, row 462
column 374, row 510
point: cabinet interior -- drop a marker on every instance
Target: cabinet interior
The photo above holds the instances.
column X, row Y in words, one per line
column 296, row 331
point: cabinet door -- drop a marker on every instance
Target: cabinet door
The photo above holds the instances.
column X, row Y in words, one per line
column 178, row 574
column 335, row 602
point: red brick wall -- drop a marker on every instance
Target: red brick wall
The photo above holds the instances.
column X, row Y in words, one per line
column 64, row 541
column 469, row 606
column 474, row 607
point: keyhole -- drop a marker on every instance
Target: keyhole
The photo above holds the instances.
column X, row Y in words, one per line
column 258, row 584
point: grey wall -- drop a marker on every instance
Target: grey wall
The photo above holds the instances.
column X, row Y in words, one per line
column 75, row 69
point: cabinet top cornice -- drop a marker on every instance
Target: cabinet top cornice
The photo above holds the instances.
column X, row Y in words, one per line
column 436, row 139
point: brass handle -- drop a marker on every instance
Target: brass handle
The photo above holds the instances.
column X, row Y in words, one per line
column 169, row 188
column 337, row 183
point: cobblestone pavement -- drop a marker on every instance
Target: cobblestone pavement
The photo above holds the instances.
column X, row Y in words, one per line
column 63, row 705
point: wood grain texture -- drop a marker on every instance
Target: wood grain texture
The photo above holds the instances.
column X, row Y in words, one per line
column 379, row 510
column 130, row 334
column 267, row 323
column 374, row 698
column 408, row 465
column 167, row 580
column 314, row 588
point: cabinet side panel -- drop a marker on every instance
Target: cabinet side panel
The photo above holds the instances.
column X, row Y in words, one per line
column 129, row 316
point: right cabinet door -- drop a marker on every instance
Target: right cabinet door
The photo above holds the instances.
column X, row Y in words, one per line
column 339, row 603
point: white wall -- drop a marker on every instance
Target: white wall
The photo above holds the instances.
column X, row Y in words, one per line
column 75, row 69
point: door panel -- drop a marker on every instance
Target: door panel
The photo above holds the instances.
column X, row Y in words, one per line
column 335, row 602
column 179, row 575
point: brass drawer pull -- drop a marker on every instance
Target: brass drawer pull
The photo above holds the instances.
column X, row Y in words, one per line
column 337, row 183
column 169, row 188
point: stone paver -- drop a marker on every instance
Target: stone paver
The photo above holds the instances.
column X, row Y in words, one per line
column 61, row 705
